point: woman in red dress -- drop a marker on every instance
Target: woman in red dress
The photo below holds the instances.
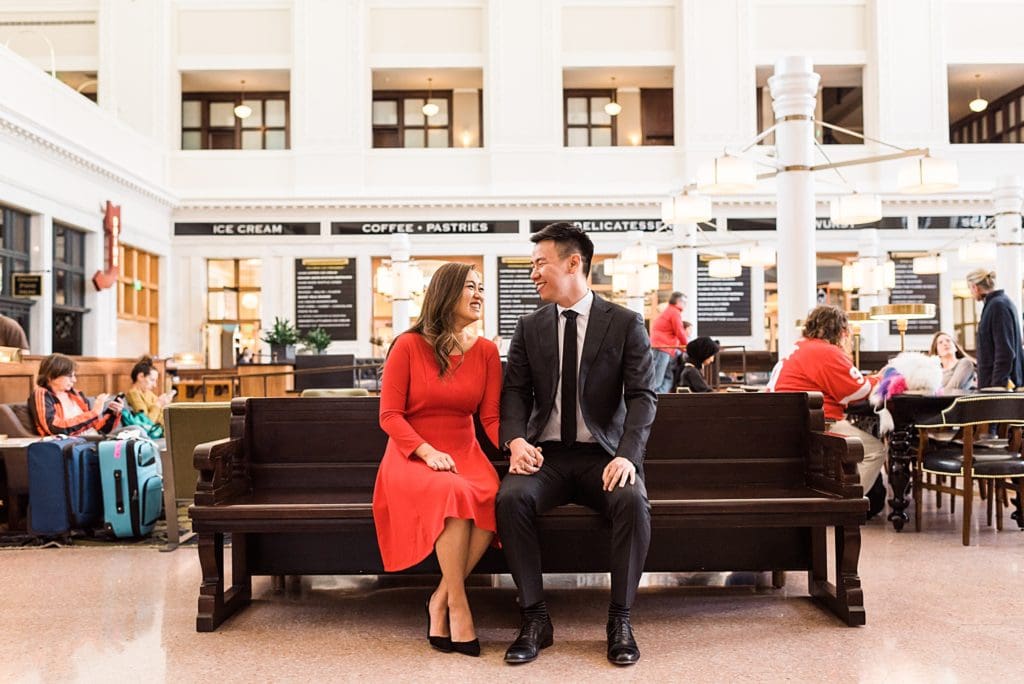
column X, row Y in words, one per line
column 435, row 488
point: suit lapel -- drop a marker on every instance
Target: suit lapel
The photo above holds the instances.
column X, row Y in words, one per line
column 548, row 343
column 597, row 327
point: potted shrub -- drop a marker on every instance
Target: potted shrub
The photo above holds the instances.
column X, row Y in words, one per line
column 318, row 340
column 282, row 338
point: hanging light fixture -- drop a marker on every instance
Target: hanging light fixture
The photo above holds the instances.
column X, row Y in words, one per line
column 961, row 290
column 725, row 267
column 979, row 252
column 242, row 110
column 757, row 255
column 429, row 108
column 869, row 276
column 613, row 108
column 727, row 175
column 685, row 207
column 855, row 209
column 931, row 264
column 928, row 175
column 978, row 104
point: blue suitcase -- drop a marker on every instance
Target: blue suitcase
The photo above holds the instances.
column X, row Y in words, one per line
column 63, row 486
column 133, row 487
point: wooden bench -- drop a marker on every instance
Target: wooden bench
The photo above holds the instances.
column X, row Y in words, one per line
column 744, row 482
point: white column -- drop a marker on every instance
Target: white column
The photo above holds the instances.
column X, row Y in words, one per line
column 41, row 261
column 1008, row 197
column 401, row 302
column 684, row 268
column 794, row 88
column 869, row 247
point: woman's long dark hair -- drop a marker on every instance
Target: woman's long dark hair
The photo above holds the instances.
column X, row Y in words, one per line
column 437, row 316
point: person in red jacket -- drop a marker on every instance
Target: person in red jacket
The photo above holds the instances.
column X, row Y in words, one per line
column 57, row 408
column 667, row 338
column 820, row 364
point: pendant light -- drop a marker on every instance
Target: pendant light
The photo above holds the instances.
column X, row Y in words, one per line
column 242, row 110
column 429, row 108
column 613, row 108
column 978, row 104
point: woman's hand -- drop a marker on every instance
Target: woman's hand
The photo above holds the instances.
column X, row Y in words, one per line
column 436, row 460
column 101, row 399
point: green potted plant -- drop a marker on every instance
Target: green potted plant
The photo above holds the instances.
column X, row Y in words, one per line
column 317, row 339
column 282, row 338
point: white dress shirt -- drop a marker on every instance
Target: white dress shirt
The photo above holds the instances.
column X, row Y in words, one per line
column 552, row 432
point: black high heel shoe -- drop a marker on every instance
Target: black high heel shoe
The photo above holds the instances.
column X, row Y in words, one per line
column 441, row 643
column 469, row 648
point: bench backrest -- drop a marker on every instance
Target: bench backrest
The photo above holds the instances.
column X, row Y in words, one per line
column 729, row 440
column 706, row 440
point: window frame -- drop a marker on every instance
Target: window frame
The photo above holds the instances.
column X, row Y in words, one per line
column 399, row 96
column 205, row 129
column 588, row 93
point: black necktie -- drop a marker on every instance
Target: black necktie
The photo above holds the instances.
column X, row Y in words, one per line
column 569, row 378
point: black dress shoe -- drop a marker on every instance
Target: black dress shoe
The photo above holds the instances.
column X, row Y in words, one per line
column 535, row 634
column 469, row 648
column 441, row 643
column 622, row 648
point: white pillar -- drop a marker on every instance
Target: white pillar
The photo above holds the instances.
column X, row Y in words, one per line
column 794, row 88
column 41, row 261
column 401, row 302
column 869, row 247
column 1008, row 196
column 684, row 268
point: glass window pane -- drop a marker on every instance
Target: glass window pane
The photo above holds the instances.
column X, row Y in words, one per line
column 414, row 112
column 437, row 137
column 222, row 306
column 77, row 293
column 222, row 114
column 249, row 305
column 600, row 137
column 59, row 284
column 578, row 137
column 597, row 113
column 275, row 114
column 576, row 111
column 254, row 120
column 441, row 118
column 385, row 113
column 252, row 140
column 275, row 140
column 414, row 138
column 191, row 140
column 59, row 245
column 191, row 114
column 249, row 272
column 220, row 273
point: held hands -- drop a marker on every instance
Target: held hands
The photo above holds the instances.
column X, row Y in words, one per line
column 618, row 471
column 436, row 460
column 526, row 459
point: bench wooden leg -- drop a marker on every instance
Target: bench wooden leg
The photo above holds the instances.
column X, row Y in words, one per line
column 216, row 605
column 845, row 597
column 778, row 579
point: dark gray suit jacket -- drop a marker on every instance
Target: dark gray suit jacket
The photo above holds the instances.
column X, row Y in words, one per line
column 615, row 378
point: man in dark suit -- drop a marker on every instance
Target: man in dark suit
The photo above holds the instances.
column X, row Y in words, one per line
column 576, row 410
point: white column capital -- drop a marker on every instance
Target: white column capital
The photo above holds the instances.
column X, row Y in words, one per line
column 794, row 87
column 1008, row 194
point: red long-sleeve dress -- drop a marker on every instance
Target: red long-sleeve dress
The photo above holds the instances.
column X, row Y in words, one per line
column 411, row 501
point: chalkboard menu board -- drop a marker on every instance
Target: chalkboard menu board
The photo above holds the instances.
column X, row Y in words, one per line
column 517, row 294
column 723, row 304
column 325, row 296
column 915, row 289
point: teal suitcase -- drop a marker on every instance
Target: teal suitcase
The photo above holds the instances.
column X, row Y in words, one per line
column 130, row 472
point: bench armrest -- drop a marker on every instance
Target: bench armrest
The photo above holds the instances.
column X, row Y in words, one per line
column 832, row 464
column 222, row 471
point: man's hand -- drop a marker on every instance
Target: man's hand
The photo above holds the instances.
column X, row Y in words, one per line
column 525, row 459
column 618, row 471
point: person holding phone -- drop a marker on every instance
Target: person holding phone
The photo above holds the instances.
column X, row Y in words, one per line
column 141, row 398
column 57, row 408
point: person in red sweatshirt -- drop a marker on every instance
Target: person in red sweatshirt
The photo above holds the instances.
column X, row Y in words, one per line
column 820, row 364
column 667, row 338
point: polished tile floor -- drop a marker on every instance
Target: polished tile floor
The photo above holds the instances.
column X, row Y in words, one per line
column 937, row 612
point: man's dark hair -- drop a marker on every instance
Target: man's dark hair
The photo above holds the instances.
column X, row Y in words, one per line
column 568, row 240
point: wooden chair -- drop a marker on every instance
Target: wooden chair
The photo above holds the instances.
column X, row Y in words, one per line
column 966, row 459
